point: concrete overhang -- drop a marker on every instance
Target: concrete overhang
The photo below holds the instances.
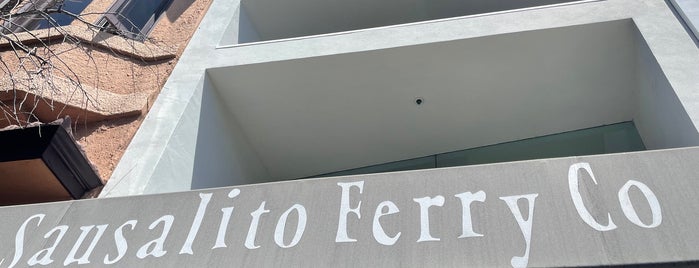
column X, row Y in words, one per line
column 266, row 20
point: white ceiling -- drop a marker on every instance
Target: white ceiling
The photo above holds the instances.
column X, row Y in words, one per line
column 275, row 19
column 317, row 115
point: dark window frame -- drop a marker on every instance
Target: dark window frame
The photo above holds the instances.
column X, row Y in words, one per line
column 31, row 23
column 11, row 4
column 111, row 23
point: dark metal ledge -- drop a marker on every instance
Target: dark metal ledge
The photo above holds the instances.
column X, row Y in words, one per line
column 25, row 152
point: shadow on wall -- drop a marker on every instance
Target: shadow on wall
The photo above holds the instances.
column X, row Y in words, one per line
column 177, row 8
column 660, row 116
column 241, row 29
column 222, row 155
column 247, row 33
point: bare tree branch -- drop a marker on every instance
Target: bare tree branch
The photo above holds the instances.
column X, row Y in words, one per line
column 37, row 66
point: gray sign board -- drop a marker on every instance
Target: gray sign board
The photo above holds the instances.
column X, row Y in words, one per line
column 577, row 211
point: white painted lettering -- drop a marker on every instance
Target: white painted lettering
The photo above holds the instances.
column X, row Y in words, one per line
column 225, row 218
column 524, row 225
column 630, row 212
column 379, row 234
column 300, row 226
column 84, row 259
column 158, row 244
column 196, row 223
column 467, row 199
column 345, row 209
column 120, row 241
column 19, row 238
column 252, row 231
column 425, row 204
column 585, row 215
column 46, row 259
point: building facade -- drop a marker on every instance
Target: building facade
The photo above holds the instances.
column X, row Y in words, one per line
column 302, row 102
column 66, row 59
column 404, row 134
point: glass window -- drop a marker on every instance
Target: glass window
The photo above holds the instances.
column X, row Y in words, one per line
column 134, row 18
column 51, row 18
column 616, row 138
column 7, row 5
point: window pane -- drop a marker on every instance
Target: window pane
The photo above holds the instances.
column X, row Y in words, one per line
column 616, row 138
column 35, row 22
column 410, row 164
column 71, row 6
column 134, row 15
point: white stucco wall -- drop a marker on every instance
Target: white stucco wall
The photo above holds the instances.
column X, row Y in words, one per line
column 163, row 155
column 689, row 11
column 208, row 144
column 660, row 117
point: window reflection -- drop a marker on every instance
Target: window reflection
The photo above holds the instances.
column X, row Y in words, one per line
column 616, row 138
